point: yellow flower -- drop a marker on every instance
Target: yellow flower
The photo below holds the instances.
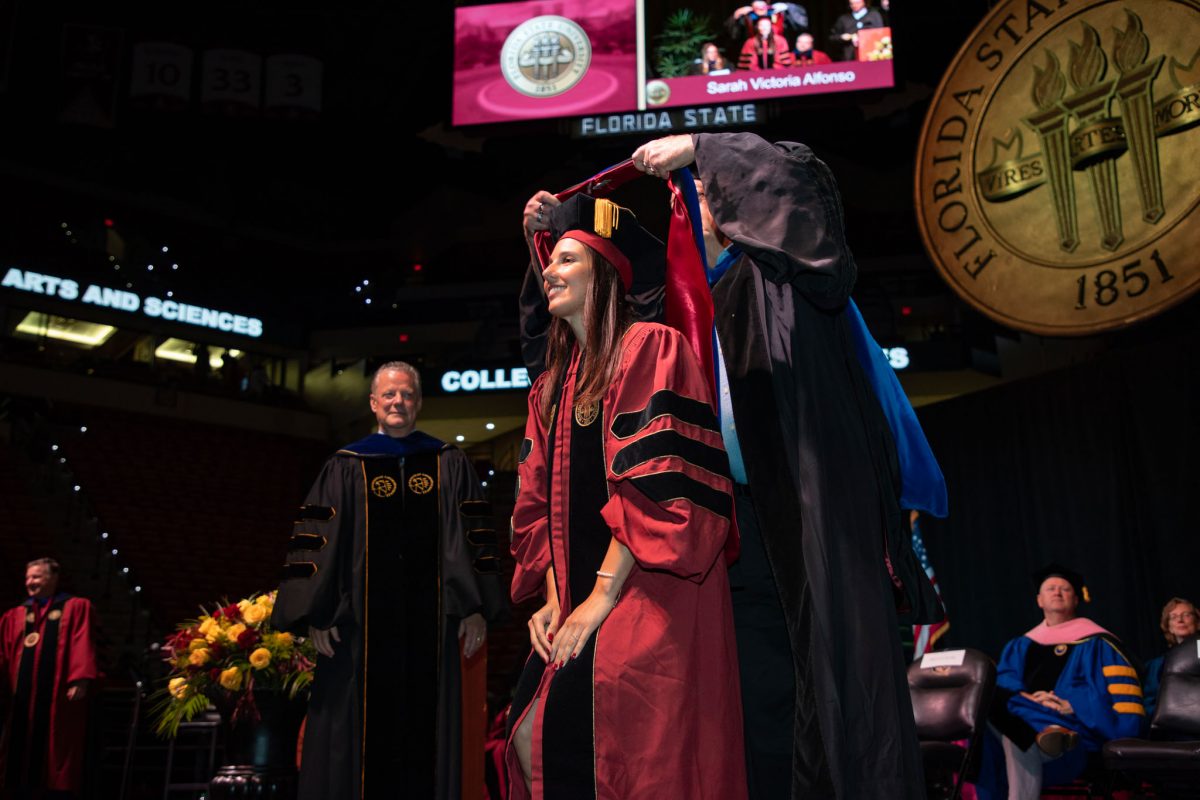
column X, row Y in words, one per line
column 283, row 639
column 200, row 657
column 177, row 687
column 255, row 614
column 197, row 644
column 265, row 599
column 207, row 625
column 242, row 604
column 260, row 658
column 235, row 631
column 231, row 679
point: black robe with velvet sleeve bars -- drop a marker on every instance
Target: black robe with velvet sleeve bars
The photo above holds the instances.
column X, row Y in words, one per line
column 393, row 546
column 821, row 465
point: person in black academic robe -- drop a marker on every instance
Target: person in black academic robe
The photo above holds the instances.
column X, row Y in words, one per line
column 826, row 562
column 846, row 28
column 392, row 560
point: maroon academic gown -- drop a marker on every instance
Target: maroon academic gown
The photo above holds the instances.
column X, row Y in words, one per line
column 46, row 726
column 663, row 701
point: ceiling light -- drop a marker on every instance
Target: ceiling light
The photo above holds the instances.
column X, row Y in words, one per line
column 88, row 334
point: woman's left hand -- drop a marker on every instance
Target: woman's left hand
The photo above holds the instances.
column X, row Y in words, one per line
column 574, row 633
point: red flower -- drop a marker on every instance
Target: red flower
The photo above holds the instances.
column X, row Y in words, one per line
column 216, row 651
column 247, row 638
column 214, row 674
column 231, row 611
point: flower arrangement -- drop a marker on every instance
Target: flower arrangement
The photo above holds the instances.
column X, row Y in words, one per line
column 224, row 655
column 882, row 50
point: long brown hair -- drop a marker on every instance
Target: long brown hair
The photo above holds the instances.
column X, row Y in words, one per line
column 606, row 316
column 720, row 62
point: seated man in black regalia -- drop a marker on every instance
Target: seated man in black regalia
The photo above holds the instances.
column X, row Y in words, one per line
column 392, row 563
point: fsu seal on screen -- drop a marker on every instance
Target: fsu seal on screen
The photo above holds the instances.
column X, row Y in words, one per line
column 1056, row 185
column 545, row 56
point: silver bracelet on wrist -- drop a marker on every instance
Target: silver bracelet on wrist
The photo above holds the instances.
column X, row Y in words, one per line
column 604, row 574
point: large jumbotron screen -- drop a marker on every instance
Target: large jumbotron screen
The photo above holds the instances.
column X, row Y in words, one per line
column 566, row 58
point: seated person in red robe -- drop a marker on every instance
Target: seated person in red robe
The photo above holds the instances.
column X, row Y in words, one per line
column 622, row 515
column 766, row 50
column 47, row 664
column 805, row 55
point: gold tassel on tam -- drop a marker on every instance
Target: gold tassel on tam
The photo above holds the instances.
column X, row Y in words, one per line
column 608, row 214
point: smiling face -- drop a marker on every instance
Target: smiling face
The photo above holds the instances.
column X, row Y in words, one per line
column 40, row 582
column 1182, row 622
column 1057, row 597
column 764, row 27
column 396, row 402
column 804, row 42
column 567, row 280
column 710, row 52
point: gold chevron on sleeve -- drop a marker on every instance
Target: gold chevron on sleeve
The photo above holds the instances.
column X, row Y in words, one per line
column 1125, row 689
column 1130, row 708
column 1118, row 671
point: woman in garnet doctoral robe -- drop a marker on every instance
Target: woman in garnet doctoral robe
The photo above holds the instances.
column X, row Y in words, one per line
column 622, row 516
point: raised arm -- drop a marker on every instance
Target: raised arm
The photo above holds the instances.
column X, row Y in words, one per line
column 778, row 202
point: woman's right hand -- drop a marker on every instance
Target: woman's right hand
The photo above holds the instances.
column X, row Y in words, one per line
column 537, row 212
column 542, row 627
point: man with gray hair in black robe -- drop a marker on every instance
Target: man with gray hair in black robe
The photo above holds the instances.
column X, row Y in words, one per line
column 391, row 569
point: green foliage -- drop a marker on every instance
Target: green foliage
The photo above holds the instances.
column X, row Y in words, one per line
column 679, row 43
column 224, row 655
column 171, row 711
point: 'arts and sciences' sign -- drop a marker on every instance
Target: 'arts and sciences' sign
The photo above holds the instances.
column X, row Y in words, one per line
column 120, row 300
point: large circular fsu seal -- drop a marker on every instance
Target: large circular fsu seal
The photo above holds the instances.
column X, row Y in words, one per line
column 1057, row 181
column 545, row 56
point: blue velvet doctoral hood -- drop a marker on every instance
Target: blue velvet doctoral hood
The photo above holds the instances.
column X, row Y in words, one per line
column 380, row 444
column 922, row 485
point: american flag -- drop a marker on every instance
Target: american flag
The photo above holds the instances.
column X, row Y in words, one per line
column 925, row 636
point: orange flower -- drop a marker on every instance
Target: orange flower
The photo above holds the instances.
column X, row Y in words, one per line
column 231, row 679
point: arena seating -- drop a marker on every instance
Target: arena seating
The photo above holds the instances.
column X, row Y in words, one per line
column 23, row 530
column 198, row 512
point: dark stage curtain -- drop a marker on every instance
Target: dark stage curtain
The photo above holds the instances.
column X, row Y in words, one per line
column 1095, row 466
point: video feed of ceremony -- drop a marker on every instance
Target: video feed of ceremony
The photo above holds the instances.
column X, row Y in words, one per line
column 565, row 58
column 709, row 51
